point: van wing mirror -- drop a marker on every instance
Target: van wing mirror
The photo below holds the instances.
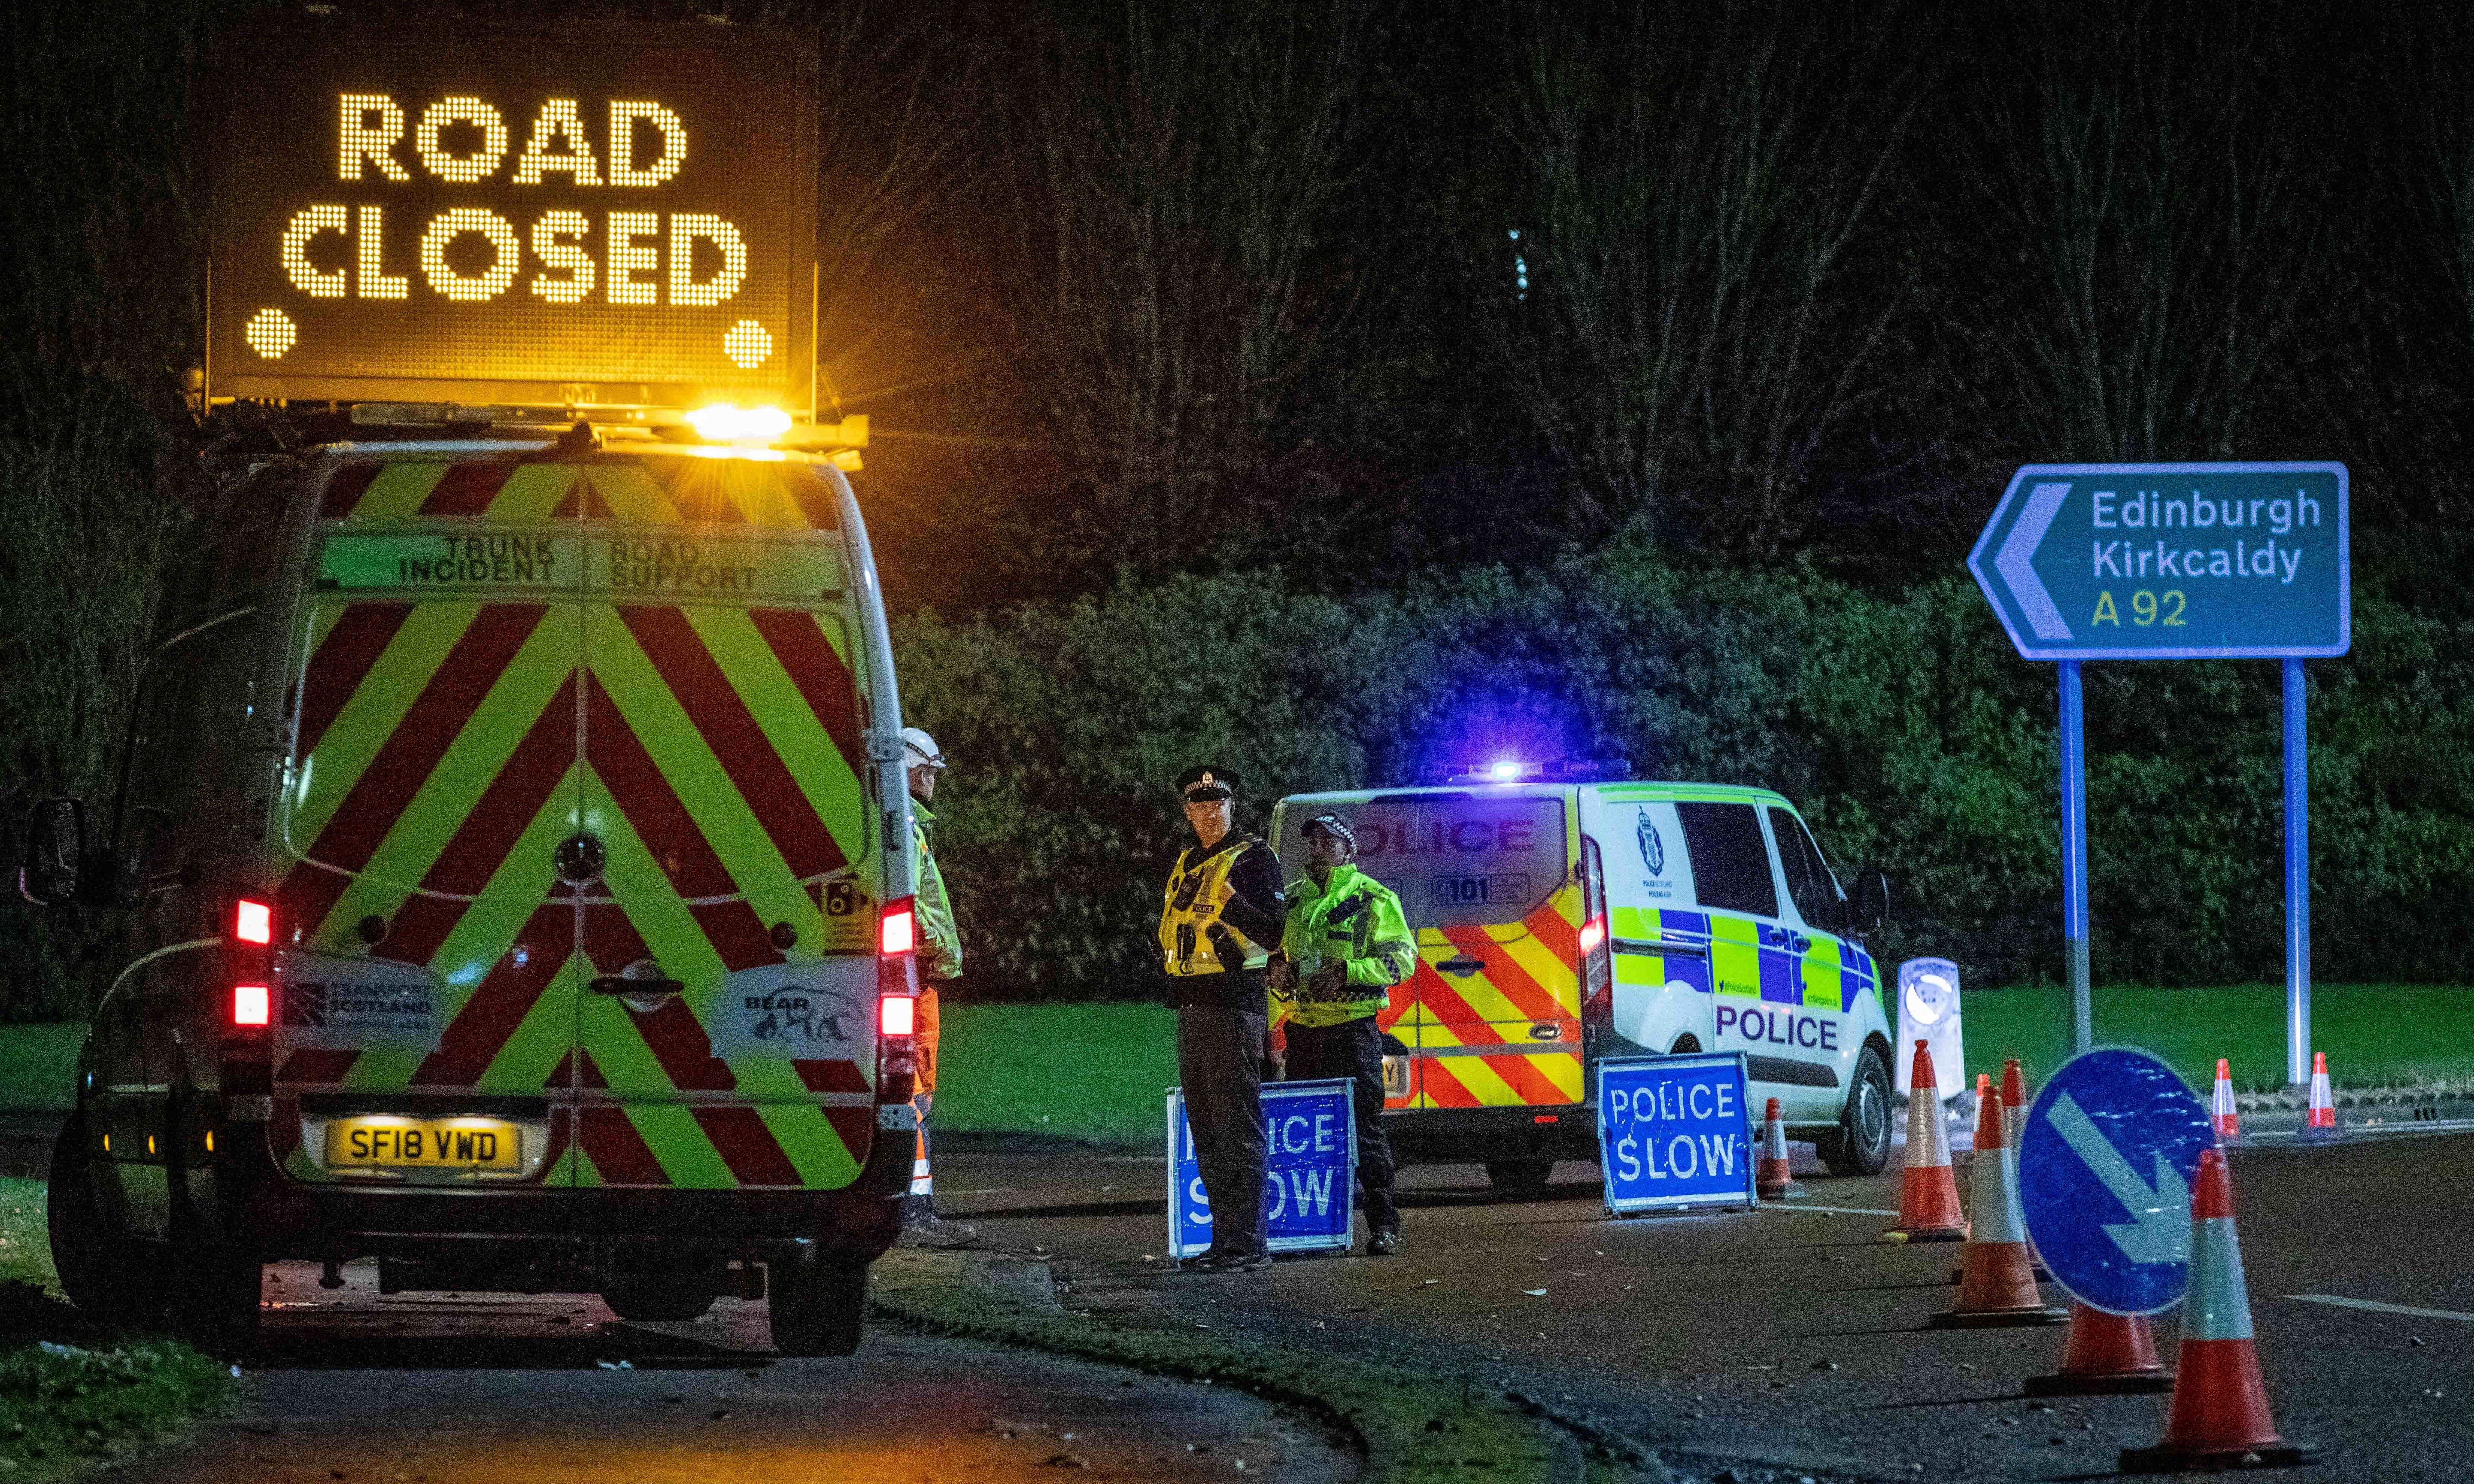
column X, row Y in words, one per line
column 55, row 854
column 1871, row 909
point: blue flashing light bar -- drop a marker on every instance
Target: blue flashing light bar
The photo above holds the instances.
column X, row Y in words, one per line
column 1510, row 770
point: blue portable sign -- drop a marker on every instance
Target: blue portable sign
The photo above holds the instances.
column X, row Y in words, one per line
column 1674, row 1132
column 2105, row 1165
column 1309, row 1179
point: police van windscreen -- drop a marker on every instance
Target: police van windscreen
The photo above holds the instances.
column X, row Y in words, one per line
column 1457, row 859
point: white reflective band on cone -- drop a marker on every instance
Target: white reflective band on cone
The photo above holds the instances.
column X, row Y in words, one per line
column 1995, row 1214
column 2219, row 1306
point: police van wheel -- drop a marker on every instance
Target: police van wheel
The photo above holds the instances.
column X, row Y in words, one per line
column 1860, row 1144
column 98, row 1266
column 817, row 1311
column 1520, row 1176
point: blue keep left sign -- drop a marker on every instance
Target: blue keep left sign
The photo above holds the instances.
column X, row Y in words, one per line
column 2105, row 1165
column 1673, row 1133
column 1309, row 1179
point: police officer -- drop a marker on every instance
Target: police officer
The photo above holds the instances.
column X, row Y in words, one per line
column 1219, row 918
column 940, row 962
column 1345, row 944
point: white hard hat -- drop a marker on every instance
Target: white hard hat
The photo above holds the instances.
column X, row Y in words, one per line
column 918, row 747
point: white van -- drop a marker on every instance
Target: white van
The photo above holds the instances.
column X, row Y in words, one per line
column 1561, row 922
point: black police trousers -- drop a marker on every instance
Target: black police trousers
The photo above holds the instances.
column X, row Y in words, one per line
column 1220, row 1065
column 1354, row 1049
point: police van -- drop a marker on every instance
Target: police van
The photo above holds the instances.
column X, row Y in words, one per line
column 1561, row 922
column 517, row 857
column 511, row 827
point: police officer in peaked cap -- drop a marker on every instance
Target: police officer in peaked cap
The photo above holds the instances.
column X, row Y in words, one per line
column 1220, row 918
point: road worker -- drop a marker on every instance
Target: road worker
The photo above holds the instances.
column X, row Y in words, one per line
column 1345, row 944
column 1219, row 918
column 940, row 962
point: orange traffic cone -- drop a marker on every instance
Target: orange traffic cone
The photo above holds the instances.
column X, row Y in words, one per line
column 2220, row 1416
column 1983, row 1094
column 2105, row 1353
column 1774, row 1179
column 1928, row 1192
column 2321, row 1127
column 1998, row 1285
column 2226, row 1112
column 2014, row 1118
column 2014, row 1101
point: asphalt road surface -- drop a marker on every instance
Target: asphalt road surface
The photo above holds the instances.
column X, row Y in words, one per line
column 1792, row 1335
column 433, row 1389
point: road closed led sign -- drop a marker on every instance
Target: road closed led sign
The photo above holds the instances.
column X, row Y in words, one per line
column 612, row 215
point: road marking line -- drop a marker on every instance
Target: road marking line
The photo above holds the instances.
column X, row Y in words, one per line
column 1834, row 1210
column 992, row 1190
column 2407, row 1310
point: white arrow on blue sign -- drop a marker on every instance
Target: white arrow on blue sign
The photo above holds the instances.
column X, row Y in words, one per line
column 2105, row 1165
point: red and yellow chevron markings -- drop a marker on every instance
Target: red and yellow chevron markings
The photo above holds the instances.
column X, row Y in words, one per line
column 1527, row 976
column 448, row 746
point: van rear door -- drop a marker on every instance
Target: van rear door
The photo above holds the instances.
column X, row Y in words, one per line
column 725, row 1023
column 1492, row 1014
column 578, row 840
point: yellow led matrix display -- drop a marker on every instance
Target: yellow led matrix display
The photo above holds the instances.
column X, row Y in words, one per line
column 607, row 215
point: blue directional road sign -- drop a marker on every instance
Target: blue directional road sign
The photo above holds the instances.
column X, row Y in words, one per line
column 2105, row 1165
column 2171, row 561
column 1309, row 1182
column 1674, row 1132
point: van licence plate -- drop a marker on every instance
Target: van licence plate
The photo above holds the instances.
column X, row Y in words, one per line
column 392, row 1142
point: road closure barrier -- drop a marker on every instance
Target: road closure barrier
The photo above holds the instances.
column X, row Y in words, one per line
column 1927, row 1191
column 2220, row 1417
column 1997, row 1285
column 2320, row 1127
column 2222, row 1111
column 2105, row 1353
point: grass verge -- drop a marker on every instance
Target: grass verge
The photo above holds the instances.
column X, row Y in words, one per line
column 68, row 1399
column 39, row 1067
column 2376, row 1035
column 1417, row 1428
column 1092, row 1074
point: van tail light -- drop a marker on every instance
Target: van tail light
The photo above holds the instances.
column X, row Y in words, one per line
column 897, row 1001
column 249, row 960
column 1597, row 957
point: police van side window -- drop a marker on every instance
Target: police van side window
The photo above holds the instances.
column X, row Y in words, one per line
column 1731, row 864
column 1808, row 877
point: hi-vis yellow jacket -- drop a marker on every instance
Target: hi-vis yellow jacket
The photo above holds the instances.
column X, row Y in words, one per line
column 1355, row 921
column 1206, row 925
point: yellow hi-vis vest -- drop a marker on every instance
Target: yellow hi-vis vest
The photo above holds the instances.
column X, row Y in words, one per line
column 1191, row 907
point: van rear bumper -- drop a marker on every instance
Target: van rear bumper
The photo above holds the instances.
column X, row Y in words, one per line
column 859, row 1221
column 1470, row 1135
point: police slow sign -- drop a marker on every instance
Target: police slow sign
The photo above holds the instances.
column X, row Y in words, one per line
column 610, row 215
column 1673, row 1133
column 1310, row 1163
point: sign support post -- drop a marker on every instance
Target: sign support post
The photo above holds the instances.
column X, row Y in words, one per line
column 2074, row 863
column 2297, row 880
column 2176, row 562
